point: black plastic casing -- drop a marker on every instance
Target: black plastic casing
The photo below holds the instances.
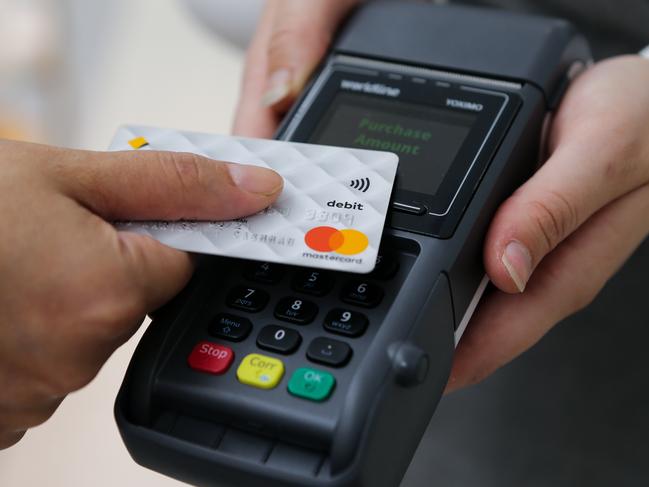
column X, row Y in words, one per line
column 366, row 434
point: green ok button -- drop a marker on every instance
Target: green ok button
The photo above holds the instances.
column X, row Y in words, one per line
column 311, row 384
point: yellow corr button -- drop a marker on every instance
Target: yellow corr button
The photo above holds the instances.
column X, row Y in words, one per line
column 260, row 371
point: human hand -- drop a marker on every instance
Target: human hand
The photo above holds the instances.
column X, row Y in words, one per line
column 74, row 288
column 291, row 39
column 572, row 225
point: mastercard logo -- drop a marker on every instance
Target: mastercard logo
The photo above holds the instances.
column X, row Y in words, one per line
column 330, row 239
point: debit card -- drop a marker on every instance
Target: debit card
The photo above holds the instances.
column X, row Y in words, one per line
column 330, row 214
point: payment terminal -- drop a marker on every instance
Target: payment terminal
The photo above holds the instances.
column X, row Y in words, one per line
column 329, row 379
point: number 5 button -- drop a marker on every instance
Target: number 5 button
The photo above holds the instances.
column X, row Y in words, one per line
column 278, row 339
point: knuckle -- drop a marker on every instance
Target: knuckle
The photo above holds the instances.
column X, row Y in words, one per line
column 554, row 217
column 185, row 169
column 622, row 164
column 113, row 317
column 574, row 291
column 70, row 379
column 584, row 293
column 582, row 299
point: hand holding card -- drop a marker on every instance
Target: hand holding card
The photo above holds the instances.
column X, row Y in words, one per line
column 330, row 214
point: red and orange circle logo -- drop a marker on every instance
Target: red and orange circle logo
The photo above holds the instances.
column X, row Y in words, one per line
column 330, row 239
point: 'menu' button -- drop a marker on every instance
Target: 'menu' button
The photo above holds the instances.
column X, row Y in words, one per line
column 260, row 371
column 210, row 357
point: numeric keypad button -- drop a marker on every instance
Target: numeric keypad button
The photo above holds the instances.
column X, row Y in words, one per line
column 329, row 352
column 247, row 298
column 278, row 339
column 345, row 322
column 296, row 310
column 264, row 272
column 313, row 281
column 362, row 293
column 230, row 327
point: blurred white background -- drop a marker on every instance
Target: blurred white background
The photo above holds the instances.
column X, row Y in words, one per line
column 71, row 71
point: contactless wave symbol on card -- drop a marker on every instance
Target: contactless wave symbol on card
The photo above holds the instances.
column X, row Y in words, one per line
column 362, row 184
column 329, row 239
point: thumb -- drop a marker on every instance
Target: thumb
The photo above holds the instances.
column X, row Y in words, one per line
column 300, row 35
column 575, row 183
column 145, row 185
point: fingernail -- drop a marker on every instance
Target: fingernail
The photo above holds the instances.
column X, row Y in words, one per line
column 253, row 179
column 518, row 262
column 279, row 86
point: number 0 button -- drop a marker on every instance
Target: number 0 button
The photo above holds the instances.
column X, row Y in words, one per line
column 296, row 310
column 278, row 339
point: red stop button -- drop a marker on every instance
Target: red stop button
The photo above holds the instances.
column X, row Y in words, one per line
column 210, row 357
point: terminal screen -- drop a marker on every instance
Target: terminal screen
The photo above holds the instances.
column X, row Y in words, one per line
column 426, row 138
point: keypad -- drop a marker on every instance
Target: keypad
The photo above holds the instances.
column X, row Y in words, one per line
column 329, row 352
column 278, row 339
column 313, row 281
column 231, row 327
column 248, row 298
column 296, row 310
column 345, row 322
column 264, row 272
column 362, row 293
column 300, row 307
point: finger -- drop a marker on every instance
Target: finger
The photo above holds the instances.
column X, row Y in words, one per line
column 140, row 185
column 506, row 325
column 119, row 276
column 154, row 271
column 559, row 198
column 301, row 34
column 21, row 417
column 251, row 118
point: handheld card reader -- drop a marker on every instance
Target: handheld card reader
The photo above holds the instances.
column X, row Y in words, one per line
column 259, row 374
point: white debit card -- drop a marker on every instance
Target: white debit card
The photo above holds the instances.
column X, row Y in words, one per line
column 330, row 214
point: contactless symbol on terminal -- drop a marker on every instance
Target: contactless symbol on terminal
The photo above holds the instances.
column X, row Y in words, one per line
column 330, row 239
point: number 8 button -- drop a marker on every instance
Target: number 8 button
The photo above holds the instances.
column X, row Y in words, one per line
column 296, row 310
column 278, row 339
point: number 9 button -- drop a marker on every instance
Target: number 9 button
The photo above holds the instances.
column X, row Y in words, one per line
column 345, row 322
